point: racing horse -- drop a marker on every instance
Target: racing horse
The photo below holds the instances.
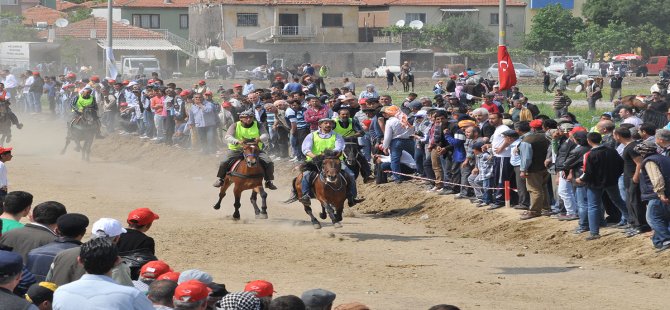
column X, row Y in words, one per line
column 82, row 129
column 351, row 152
column 6, row 120
column 330, row 188
column 406, row 79
column 246, row 173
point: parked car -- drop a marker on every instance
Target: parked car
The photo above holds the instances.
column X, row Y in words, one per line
column 656, row 64
column 521, row 71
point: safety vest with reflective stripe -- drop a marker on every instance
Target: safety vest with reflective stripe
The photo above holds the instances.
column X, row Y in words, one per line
column 344, row 132
column 242, row 133
column 83, row 102
column 320, row 145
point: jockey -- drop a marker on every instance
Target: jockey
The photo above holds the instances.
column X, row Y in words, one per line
column 5, row 109
column 314, row 145
column 350, row 129
column 84, row 100
column 246, row 128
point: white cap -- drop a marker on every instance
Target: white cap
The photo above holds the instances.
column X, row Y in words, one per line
column 341, row 97
column 421, row 113
column 106, row 227
column 131, row 84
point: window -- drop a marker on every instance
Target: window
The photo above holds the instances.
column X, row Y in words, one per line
column 495, row 20
column 247, row 19
column 409, row 17
column 331, row 20
column 151, row 21
column 183, row 21
column 9, row 2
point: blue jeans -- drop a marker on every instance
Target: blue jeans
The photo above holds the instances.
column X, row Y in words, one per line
column 404, row 169
column 622, row 188
column 207, row 137
column 397, row 146
column 419, row 157
column 149, row 126
column 582, row 206
column 36, row 101
column 486, row 193
column 595, row 209
column 658, row 217
column 366, row 144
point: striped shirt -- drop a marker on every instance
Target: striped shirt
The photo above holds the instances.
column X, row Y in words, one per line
column 297, row 117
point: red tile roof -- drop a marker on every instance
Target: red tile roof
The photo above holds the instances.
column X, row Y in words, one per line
column 82, row 30
column 291, row 2
column 440, row 3
column 148, row 3
column 39, row 13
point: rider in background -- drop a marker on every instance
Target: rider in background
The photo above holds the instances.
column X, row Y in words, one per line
column 85, row 100
column 4, row 101
column 246, row 128
column 350, row 129
column 316, row 144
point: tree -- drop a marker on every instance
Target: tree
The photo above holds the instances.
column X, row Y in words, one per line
column 616, row 38
column 454, row 34
column 552, row 29
column 17, row 32
column 80, row 14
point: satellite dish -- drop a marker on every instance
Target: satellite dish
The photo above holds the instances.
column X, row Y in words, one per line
column 400, row 23
column 416, row 24
column 125, row 22
column 61, row 22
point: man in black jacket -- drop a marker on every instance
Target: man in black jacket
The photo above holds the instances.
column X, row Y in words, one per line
column 603, row 166
column 71, row 228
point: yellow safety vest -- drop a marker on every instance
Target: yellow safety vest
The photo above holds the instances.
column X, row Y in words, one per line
column 320, row 145
column 344, row 132
column 83, row 102
column 242, row 133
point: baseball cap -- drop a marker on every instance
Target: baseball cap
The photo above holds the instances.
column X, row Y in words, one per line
column 95, row 78
column 478, row 145
column 191, row 291
column 5, row 150
column 154, row 269
column 107, row 227
column 208, row 93
column 236, row 85
column 41, row 292
column 142, row 216
column 363, row 101
column 10, row 264
column 226, row 104
column 125, row 82
column 202, row 82
column 170, row 275
column 261, row 288
column 421, row 113
column 415, row 105
column 536, row 123
column 184, row 93
column 195, row 274
column 318, row 298
column 510, row 133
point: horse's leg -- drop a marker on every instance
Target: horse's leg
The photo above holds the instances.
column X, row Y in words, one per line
column 331, row 214
column 338, row 212
column 254, row 195
column 222, row 193
column 67, row 142
column 323, row 214
column 238, row 193
column 264, row 204
column 77, row 147
column 315, row 222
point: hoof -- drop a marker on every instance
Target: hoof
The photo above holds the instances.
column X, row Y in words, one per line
column 236, row 218
column 316, row 226
column 337, row 225
column 263, row 216
column 217, row 207
column 323, row 215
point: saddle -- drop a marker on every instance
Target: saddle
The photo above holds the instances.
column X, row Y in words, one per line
column 233, row 167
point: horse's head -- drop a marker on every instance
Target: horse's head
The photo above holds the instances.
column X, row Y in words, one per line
column 351, row 151
column 89, row 115
column 250, row 151
column 331, row 166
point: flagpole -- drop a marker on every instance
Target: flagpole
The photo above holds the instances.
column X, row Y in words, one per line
column 502, row 22
column 108, row 48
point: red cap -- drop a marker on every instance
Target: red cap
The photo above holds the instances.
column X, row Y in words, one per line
column 71, row 75
column 208, row 93
column 123, row 104
column 125, row 82
column 95, row 78
column 577, row 129
column 191, row 291
column 36, row 73
column 170, row 275
column 68, row 86
column 5, row 150
column 453, row 76
column 261, row 288
column 142, row 216
column 153, row 269
column 536, row 123
column 202, row 82
column 226, row 104
column 151, row 81
column 363, row 101
column 111, row 81
column 184, row 93
column 236, row 85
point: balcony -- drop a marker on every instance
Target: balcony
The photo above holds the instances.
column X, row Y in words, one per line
column 283, row 33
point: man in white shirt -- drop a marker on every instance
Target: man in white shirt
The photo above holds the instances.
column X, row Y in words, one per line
column 628, row 117
column 407, row 165
column 10, row 83
column 502, row 168
column 5, row 156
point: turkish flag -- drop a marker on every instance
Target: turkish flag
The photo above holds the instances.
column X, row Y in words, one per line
column 506, row 72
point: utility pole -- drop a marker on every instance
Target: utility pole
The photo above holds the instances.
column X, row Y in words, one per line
column 502, row 22
column 108, row 51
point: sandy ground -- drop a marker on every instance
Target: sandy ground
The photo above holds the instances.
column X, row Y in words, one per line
column 385, row 255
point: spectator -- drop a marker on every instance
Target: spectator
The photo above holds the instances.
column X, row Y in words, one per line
column 502, row 169
column 533, row 150
column 522, row 130
column 96, row 289
column 654, row 178
column 663, row 141
column 318, row 299
column 66, row 269
column 628, row 117
column 262, row 289
column 15, row 206
column 42, row 295
column 299, row 128
column 397, row 137
column 239, row 301
column 191, row 295
column 615, row 83
column 10, row 275
column 71, row 228
column 631, row 173
column 134, row 238
column 40, row 231
column 561, row 103
column 161, row 293
column 563, row 146
column 352, row 306
column 489, row 105
column 606, row 128
column 602, row 169
column 149, row 273
column 202, row 117
column 5, row 156
column 369, row 92
column 288, row 302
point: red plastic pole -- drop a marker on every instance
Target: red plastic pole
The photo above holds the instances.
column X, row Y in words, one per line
column 507, row 194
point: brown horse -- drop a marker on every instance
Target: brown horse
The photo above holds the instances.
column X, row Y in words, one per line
column 247, row 174
column 330, row 188
column 404, row 79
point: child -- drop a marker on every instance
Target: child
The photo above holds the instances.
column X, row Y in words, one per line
column 482, row 175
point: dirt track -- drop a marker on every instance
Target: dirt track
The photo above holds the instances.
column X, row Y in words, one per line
column 386, row 259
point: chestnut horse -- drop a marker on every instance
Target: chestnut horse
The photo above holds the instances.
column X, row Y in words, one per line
column 330, row 188
column 246, row 174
